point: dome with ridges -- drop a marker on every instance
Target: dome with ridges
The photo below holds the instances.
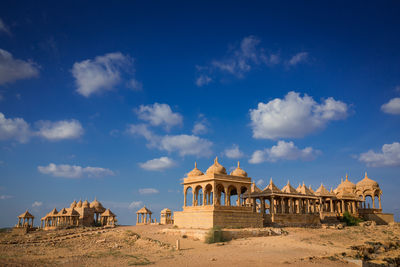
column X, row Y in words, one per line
column 195, row 171
column 216, row 168
column 239, row 171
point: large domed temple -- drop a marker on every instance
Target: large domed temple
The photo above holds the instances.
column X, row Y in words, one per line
column 233, row 200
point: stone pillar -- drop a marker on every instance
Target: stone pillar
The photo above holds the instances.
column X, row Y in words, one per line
column 331, row 204
column 137, row 218
column 184, row 197
column 353, row 203
column 193, row 197
column 290, row 204
column 272, row 206
column 379, row 198
column 238, row 197
column 343, row 207
column 298, row 205
column 262, row 206
column 373, row 202
column 307, row 206
column 204, row 197
column 226, row 196
column 254, row 204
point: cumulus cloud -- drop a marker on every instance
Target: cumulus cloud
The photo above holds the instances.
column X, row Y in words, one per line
column 392, row 107
column 135, row 85
column 298, row 58
column 4, row 28
column 183, row 144
column 12, row 69
column 135, row 204
column 294, row 116
column 233, row 152
column 159, row 114
column 260, row 183
column 201, row 126
column 59, row 130
column 37, row 204
column 283, row 151
column 16, row 128
column 74, row 171
column 147, row 191
column 389, row 157
column 103, row 73
column 158, row 164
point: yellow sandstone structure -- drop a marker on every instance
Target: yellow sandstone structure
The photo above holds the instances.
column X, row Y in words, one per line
column 232, row 200
column 143, row 216
column 25, row 220
column 166, row 216
column 79, row 214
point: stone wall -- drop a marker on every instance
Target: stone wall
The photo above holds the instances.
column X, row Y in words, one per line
column 292, row 219
column 379, row 218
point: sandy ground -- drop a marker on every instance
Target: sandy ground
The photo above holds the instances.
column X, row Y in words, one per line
column 147, row 245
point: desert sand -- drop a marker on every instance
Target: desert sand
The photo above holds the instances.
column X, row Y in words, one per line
column 147, row 245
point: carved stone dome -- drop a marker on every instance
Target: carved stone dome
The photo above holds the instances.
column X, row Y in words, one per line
column 367, row 182
column 85, row 204
column 73, row 205
column 97, row 206
column 346, row 185
column 79, row 204
column 239, row 171
column 195, row 171
column 216, row 168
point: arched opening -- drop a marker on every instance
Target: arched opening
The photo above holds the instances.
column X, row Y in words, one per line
column 209, row 194
column 198, row 200
column 376, row 202
column 189, row 196
column 233, row 196
column 368, row 202
column 258, row 205
column 220, row 191
column 267, row 206
column 243, row 190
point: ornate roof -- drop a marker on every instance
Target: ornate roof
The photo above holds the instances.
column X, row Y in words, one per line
column 61, row 212
column 216, row 168
column 289, row 189
column 346, row 185
column 255, row 189
column 367, row 182
column 26, row 214
column 322, row 191
column 144, row 210
column 54, row 212
column 195, row 171
column 97, row 206
column 71, row 212
column 79, row 204
column 73, row 205
column 271, row 187
column 107, row 213
column 166, row 210
column 85, row 204
column 310, row 188
column 239, row 171
column 304, row 190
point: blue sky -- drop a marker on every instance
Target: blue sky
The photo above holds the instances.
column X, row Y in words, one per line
column 118, row 101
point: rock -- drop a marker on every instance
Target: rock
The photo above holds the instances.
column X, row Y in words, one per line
column 339, row 226
column 213, row 259
column 100, row 241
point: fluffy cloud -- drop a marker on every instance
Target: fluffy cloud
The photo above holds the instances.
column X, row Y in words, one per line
column 298, row 58
column 159, row 114
column 260, row 183
column 147, row 191
column 157, row 164
column 201, row 126
column 12, row 69
column 283, row 151
column 294, row 116
column 59, row 130
column 37, row 204
column 392, row 107
column 16, row 128
column 233, row 152
column 103, row 73
column 135, row 85
column 390, row 156
column 73, row 171
column 4, row 28
column 183, row 144
column 186, row 145
column 135, row 204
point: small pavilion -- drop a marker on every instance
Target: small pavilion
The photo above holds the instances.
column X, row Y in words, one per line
column 166, row 216
column 143, row 216
column 108, row 218
column 25, row 220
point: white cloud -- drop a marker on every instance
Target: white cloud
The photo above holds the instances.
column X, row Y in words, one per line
column 4, row 28
column 158, row 164
column 159, row 114
column 201, row 126
column 59, row 130
column 73, row 171
column 147, row 191
column 3, row 197
column 294, row 116
column 37, row 204
column 283, row 151
column 103, row 73
column 390, row 156
column 392, row 107
column 203, row 80
column 298, row 58
column 260, row 183
column 12, row 69
column 16, row 128
column 135, row 85
column 183, row 144
column 233, row 152
column 186, row 145
column 135, row 204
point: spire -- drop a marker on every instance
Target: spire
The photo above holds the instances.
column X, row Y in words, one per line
column 366, row 176
column 216, row 160
column 195, row 165
column 238, row 164
column 270, row 181
column 347, row 177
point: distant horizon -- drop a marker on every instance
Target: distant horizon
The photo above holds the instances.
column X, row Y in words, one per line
column 118, row 101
